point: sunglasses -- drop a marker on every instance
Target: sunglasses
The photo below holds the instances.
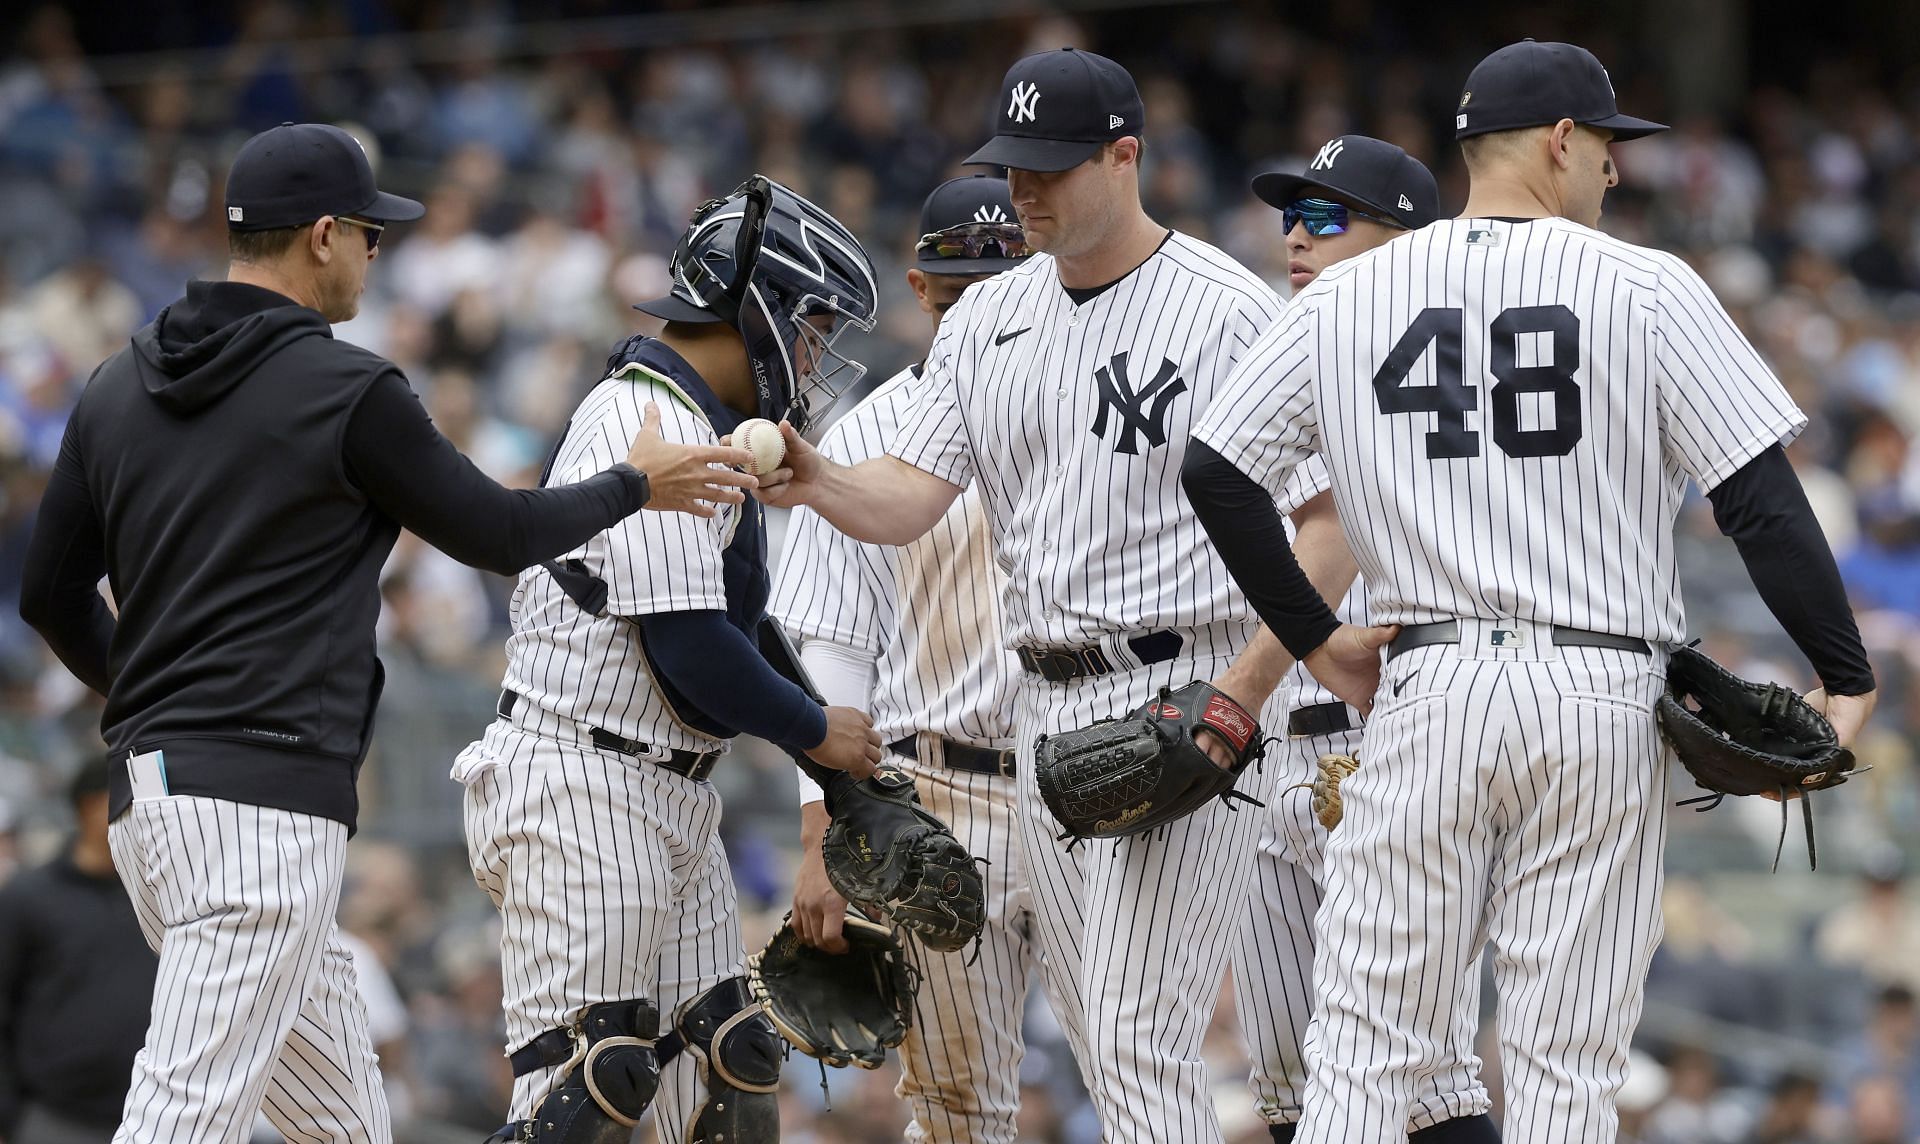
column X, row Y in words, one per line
column 373, row 230
column 976, row 240
column 1323, row 217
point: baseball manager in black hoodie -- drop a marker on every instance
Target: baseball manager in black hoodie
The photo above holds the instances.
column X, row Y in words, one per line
column 239, row 476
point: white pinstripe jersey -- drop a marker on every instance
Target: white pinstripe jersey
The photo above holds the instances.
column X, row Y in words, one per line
column 1509, row 411
column 927, row 612
column 590, row 669
column 1073, row 420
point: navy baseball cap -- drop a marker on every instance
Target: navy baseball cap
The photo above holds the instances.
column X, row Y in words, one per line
column 1056, row 110
column 1369, row 171
column 1530, row 84
column 298, row 172
column 978, row 212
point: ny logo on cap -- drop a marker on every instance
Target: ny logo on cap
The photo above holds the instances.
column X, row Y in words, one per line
column 1324, row 160
column 1020, row 108
column 990, row 213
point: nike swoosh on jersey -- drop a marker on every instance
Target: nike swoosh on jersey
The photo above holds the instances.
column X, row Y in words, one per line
column 1003, row 339
column 1402, row 685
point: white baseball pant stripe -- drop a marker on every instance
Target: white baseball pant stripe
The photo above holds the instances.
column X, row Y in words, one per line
column 1509, row 796
column 1135, row 932
column 611, row 884
column 256, row 1007
column 1273, row 973
column 960, row 1065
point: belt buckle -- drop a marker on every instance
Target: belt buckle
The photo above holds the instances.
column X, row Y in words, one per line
column 1006, row 758
column 1059, row 664
column 703, row 765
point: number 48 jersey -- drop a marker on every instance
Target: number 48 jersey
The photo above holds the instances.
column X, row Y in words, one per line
column 1509, row 411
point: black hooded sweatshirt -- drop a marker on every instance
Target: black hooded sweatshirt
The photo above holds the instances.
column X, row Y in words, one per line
column 240, row 477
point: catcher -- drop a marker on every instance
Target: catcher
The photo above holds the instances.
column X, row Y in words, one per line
column 634, row 662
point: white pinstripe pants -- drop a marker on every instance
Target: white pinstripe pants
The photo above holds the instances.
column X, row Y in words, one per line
column 256, row 1008
column 1273, row 971
column 1511, row 797
column 1135, row 932
column 611, row 883
column 960, row 1065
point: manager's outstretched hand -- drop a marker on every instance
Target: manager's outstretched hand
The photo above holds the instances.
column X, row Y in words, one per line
column 687, row 478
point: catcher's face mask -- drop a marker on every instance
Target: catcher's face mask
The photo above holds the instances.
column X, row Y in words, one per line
column 797, row 367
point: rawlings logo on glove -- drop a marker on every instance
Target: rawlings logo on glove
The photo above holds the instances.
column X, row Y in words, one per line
column 1128, row 776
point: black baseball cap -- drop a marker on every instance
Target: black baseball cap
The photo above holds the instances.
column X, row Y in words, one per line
column 1057, row 108
column 1369, row 171
column 298, row 172
column 1531, row 84
column 967, row 201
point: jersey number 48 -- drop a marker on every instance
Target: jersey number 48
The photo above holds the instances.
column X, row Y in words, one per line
column 1451, row 399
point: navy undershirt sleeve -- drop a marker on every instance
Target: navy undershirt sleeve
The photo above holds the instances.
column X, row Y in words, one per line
column 1246, row 527
column 1764, row 509
column 722, row 673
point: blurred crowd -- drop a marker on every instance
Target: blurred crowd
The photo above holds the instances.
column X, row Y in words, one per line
column 1782, row 1009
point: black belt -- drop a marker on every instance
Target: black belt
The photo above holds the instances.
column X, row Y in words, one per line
column 961, row 756
column 1066, row 664
column 1320, row 719
column 695, row 765
column 1448, row 632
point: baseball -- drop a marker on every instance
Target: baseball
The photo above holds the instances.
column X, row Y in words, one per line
column 761, row 437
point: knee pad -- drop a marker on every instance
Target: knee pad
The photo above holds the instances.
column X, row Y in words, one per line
column 739, row 1054
column 609, row 1078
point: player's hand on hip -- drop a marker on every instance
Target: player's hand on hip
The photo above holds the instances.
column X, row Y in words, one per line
column 1348, row 664
column 687, row 478
column 851, row 745
column 819, row 914
column 793, row 482
column 1847, row 713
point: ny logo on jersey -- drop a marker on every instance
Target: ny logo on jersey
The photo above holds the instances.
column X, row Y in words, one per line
column 1328, row 153
column 1136, row 415
column 1020, row 108
column 990, row 213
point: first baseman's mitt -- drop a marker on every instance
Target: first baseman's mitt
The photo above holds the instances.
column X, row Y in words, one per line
column 1737, row 737
column 843, row 1008
column 884, row 852
column 1128, row 776
column 1327, row 804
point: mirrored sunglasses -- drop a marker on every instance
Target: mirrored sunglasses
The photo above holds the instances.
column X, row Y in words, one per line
column 976, row 240
column 1323, row 217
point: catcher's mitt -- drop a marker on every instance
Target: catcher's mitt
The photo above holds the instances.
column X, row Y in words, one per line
column 885, row 853
column 1737, row 737
column 843, row 1008
column 1128, row 776
column 1327, row 806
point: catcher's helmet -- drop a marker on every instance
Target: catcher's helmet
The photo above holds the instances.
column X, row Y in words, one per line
column 789, row 278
